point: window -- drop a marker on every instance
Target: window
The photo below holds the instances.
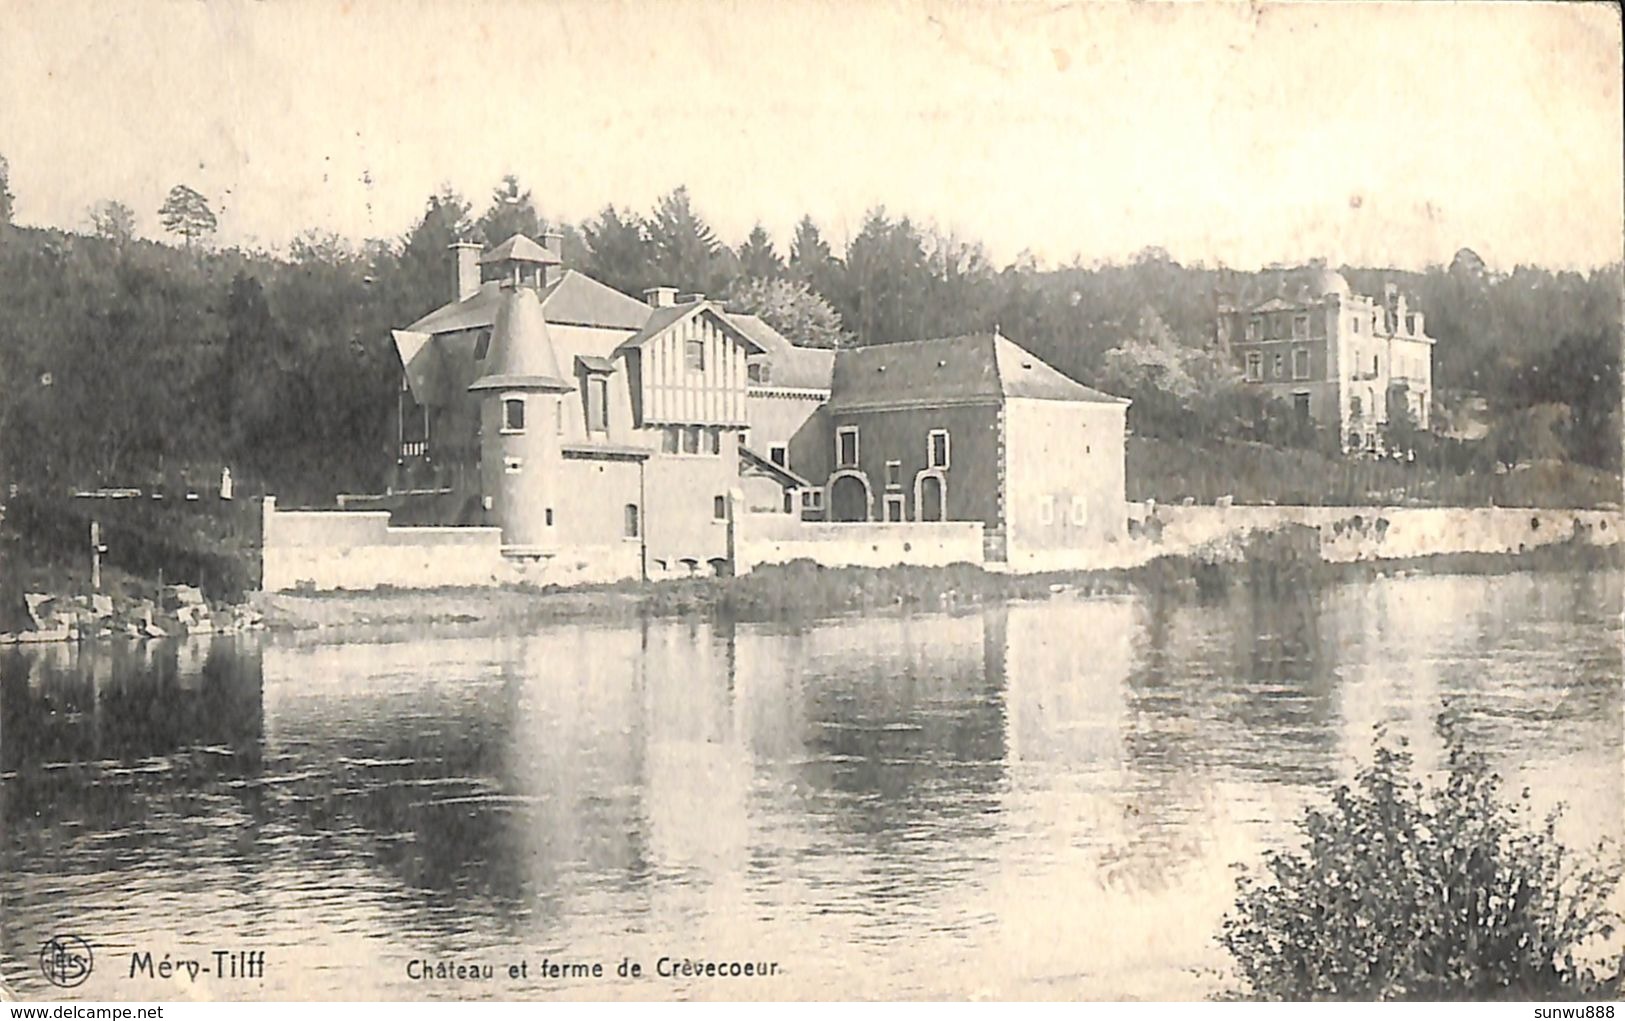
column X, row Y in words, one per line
column 482, row 345
column 691, row 439
column 631, row 521
column 1253, row 326
column 936, row 449
column 549, row 517
column 669, row 439
column 894, row 474
column 894, row 507
column 694, row 354
column 1300, row 363
column 597, row 404
column 513, row 465
column 846, row 447
column 713, row 440
column 1255, row 367
column 1410, row 325
column 1280, row 366
column 1354, row 405
column 758, row 372
column 1046, row 511
column 1300, row 326
column 513, row 414
column 1355, row 440
column 1080, row 511
column 1374, row 369
column 812, row 499
column 779, row 454
column 719, row 508
column 1356, row 324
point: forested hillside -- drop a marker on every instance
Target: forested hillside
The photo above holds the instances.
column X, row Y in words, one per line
column 124, row 359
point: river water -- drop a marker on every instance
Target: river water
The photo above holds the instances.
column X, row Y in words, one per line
column 1038, row 800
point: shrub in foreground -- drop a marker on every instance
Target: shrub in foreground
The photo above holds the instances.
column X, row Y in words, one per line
column 1410, row 892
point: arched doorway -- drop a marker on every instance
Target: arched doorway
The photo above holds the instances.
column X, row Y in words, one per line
column 848, row 499
column 932, row 500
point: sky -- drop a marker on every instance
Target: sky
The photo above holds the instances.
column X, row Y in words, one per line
column 1225, row 133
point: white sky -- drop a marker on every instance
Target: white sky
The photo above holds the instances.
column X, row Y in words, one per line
column 1234, row 133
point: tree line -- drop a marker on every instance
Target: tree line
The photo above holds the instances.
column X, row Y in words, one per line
column 124, row 359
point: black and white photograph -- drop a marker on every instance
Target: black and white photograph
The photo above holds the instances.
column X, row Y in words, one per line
column 825, row 500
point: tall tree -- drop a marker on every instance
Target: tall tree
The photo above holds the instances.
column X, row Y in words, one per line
column 423, row 276
column 618, row 252
column 511, row 212
column 186, row 212
column 811, row 260
column 6, row 198
column 886, row 281
column 683, row 245
column 757, row 257
column 113, row 220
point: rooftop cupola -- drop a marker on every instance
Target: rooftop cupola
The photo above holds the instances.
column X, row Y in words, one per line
column 522, row 262
column 522, row 356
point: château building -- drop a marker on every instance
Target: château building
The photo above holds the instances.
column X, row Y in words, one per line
column 1339, row 359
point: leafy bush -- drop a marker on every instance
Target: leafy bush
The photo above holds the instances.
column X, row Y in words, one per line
column 1409, row 893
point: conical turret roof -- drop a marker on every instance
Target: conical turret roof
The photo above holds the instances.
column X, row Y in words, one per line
column 522, row 354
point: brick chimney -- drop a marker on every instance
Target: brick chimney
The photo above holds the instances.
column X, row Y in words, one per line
column 660, row 297
column 553, row 241
column 468, row 269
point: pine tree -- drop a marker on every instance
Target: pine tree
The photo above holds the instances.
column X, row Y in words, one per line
column 511, row 212
column 683, row 245
column 186, row 212
column 618, row 252
column 757, row 257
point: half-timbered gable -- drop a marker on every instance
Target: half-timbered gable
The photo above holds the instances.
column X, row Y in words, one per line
column 688, row 366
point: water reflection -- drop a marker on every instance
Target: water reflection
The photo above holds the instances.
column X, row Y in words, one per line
column 1046, row 796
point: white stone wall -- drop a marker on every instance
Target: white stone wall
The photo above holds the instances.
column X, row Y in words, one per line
column 781, row 538
column 360, row 550
column 1389, row 533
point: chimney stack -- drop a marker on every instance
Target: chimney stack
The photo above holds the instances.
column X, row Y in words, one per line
column 688, row 299
column 660, row 297
column 468, row 269
column 553, row 242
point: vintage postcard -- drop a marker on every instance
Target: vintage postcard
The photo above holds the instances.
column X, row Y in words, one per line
column 902, row 500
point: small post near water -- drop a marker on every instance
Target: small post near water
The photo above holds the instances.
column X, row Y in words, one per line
column 96, row 551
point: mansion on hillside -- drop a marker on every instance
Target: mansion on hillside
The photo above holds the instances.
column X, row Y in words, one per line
column 1340, row 359
column 641, row 437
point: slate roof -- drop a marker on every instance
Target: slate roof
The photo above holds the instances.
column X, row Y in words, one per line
column 573, row 300
column 1279, row 289
column 792, row 367
column 974, row 369
column 518, row 249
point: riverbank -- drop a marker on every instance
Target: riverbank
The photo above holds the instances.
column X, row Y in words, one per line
column 802, row 590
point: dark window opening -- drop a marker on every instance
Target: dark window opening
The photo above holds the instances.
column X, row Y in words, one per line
column 513, row 414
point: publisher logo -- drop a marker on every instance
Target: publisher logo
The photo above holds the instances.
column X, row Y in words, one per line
column 65, row 961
